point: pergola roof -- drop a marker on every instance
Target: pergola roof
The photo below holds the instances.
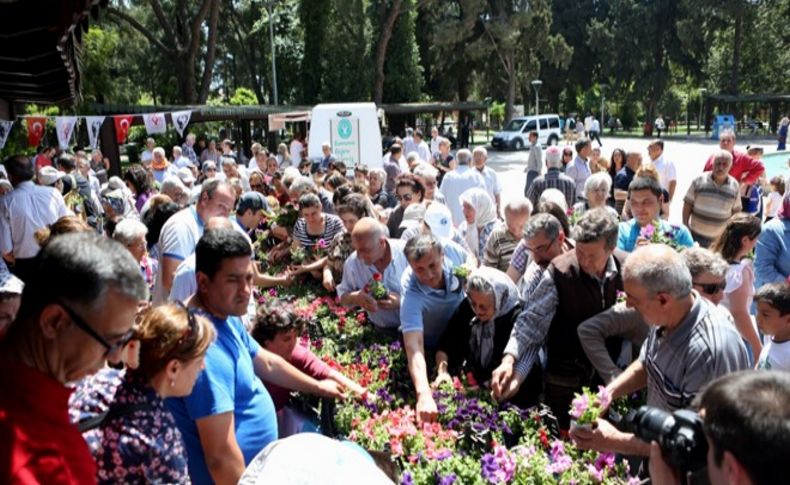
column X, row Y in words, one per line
column 749, row 98
column 39, row 42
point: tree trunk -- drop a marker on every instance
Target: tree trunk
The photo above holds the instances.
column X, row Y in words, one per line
column 211, row 51
column 736, row 51
column 511, row 90
column 381, row 50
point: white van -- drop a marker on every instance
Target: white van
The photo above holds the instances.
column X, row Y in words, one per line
column 352, row 129
column 515, row 136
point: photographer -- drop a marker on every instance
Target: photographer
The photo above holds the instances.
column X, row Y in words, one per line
column 690, row 343
column 747, row 430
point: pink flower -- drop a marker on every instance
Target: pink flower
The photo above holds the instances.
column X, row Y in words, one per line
column 647, row 231
column 580, row 404
column 604, row 398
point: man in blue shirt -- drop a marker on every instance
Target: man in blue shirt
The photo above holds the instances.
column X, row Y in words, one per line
column 430, row 294
column 645, row 205
column 230, row 417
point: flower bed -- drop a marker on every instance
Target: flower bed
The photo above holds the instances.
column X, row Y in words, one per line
column 474, row 441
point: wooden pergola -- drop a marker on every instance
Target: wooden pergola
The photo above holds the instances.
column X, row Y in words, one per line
column 778, row 104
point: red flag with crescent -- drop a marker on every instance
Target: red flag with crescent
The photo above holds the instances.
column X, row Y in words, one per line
column 122, row 124
column 36, row 127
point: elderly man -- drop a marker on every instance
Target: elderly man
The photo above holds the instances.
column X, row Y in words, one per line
column 645, row 206
column 505, row 237
column 458, row 181
column 423, row 151
column 430, row 293
column 579, row 168
column 24, row 211
column 188, row 148
column 426, row 174
column 328, row 158
column 181, row 232
column 744, row 169
column 544, row 240
column 711, row 200
column 493, row 187
column 553, row 179
column 148, row 153
column 77, row 312
column 179, row 160
column 534, row 160
column 374, row 254
column 574, row 287
column 689, row 344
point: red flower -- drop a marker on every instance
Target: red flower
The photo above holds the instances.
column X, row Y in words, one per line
column 377, row 277
column 544, row 439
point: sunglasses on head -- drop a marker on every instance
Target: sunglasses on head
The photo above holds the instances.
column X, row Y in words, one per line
column 712, row 288
column 405, row 197
column 191, row 324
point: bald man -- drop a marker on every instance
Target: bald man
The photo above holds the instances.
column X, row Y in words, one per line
column 374, row 254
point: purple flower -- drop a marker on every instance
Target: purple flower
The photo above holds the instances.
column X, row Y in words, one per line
column 406, row 479
column 604, row 460
column 647, row 231
column 448, row 479
column 604, row 398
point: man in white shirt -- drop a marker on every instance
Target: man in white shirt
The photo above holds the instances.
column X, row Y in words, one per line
column 23, row 211
column 423, row 151
column 179, row 160
column 595, row 131
column 182, row 231
column 409, row 144
column 457, row 181
column 435, row 138
column 148, row 153
column 493, row 187
column 667, row 175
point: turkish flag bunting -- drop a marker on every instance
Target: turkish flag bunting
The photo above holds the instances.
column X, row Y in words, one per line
column 36, row 126
column 122, row 124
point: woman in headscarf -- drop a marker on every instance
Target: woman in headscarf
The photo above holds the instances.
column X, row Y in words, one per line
column 475, row 339
column 480, row 219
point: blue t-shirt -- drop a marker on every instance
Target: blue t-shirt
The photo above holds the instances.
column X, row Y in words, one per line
column 227, row 384
column 628, row 233
column 425, row 309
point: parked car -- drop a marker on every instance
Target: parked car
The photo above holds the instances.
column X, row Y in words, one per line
column 515, row 136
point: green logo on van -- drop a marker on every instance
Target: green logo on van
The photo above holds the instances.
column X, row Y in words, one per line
column 344, row 128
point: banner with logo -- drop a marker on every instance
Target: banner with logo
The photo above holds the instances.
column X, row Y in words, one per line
column 93, row 124
column 64, row 125
column 5, row 130
column 122, row 124
column 181, row 120
column 36, row 127
column 155, row 123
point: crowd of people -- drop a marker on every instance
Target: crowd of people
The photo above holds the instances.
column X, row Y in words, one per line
column 135, row 350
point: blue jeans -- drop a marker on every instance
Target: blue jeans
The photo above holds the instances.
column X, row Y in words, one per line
column 531, row 176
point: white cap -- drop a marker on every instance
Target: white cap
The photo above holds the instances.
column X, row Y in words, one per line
column 439, row 220
column 185, row 174
column 412, row 216
column 48, row 175
column 10, row 283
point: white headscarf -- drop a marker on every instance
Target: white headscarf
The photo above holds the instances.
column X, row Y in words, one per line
column 485, row 213
column 506, row 297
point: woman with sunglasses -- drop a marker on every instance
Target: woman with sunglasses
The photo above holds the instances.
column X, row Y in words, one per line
column 735, row 245
column 708, row 272
column 122, row 413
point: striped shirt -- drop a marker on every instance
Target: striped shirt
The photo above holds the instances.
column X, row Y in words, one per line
column 712, row 204
column 704, row 346
column 333, row 225
column 499, row 248
column 554, row 179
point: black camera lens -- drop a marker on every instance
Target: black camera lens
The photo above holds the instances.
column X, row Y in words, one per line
column 650, row 423
column 680, row 435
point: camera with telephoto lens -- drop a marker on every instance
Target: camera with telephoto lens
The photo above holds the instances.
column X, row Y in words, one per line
column 680, row 436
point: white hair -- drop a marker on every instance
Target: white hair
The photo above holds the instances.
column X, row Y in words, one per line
column 128, row 230
column 424, row 170
column 598, row 180
column 658, row 269
column 378, row 173
column 177, row 149
column 326, row 145
column 159, row 150
column 228, row 161
column 480, row 151
column 412, row 156
column 519, row 205
column 463, row 156
column 302, row 185
column 556, row 196
column 191, row 136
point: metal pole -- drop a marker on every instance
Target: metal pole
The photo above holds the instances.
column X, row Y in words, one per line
column 270, row 6
column 603, row 100
column 537, row 103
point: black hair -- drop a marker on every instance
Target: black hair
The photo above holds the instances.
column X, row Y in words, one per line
column 67, row 162
column 217, row 245
column 595, row 225
column 356, row 204
column 646, row 183
column 775, row 294
column 138, row 177
column 271, row 321
column 19, row 167
column 555, row 210
column 746, row 413
column 155, row 219
column 409, row 180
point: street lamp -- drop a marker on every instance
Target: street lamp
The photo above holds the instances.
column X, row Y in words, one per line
column 537, row 83
column 603, row 100
column 270, row 7
column 701, row 97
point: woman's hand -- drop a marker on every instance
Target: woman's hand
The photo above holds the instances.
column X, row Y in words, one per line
column 441, row 378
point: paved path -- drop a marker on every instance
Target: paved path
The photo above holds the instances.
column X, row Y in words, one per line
column 689, row 157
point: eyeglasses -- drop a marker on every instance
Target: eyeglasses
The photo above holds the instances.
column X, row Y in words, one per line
column 711, row 288
column 542, row 248
column 85, row 327
column 404, row 197
column 256, row 186
column 567, row 154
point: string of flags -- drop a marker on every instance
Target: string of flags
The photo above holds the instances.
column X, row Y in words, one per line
column 65, row 126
